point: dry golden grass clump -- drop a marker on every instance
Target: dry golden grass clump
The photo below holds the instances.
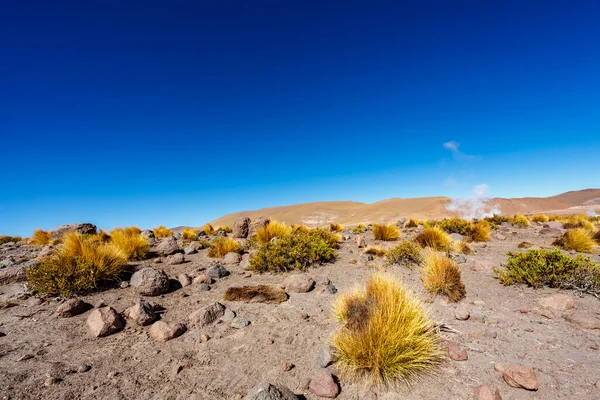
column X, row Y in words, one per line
column 256, row 294
column 272, row 230
column 226, row 229
column 540, row 218
column 435, row 238
column 388, row 337
column 130, row 242
column 412, row 223
column 103, row 236
column 208, row 229
column 40, row 238
column 385, row 232
column 223, row 245
column 335, row 227
column 405, row 253
column 520, row 220
column 525, row 245
column 578, row 239
column 189, row 233
column 299, row 228
column 80, row 263
column 480, row 231
column 463, row 247
column 578, row 221
column 162, row 232
column 441, row 275
column 374, row 250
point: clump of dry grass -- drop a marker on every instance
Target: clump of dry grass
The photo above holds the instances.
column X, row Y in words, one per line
column 578, row 239
column 223, row 245
column 525, row 245
column 480, row 231
column 130, row 242
column 520, row 220
column 299, row 228
column 441, row 275
column 6, row 239
column 80, row 263
column 387, row 336
column 162, row 232
column 434, row 238
column 335, row 227
column 412, row 223
column 578, row 221
column 385, row 232
column 189, row 233
column 226, row 229
column 539, row 218
column 463, row 247
column 272, row 230
column 208, row 229
column 374, row 250
column 103, row 236
column 256, row 294
column 40, row 238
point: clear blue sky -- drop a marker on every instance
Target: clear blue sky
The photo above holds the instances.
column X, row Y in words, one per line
column 147, row 112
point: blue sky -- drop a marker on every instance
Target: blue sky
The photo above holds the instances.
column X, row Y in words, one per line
column 123, row 113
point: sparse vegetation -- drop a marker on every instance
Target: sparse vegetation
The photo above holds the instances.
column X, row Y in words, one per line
column 162, row 232
column 552, row 268
column 226, row 229
column 520, row 220
column 208, row 229
column 441, row 275
column 40, row 238
column 463, row 247
column 387, row 338
column 6, row 239
column 412, row 223
column 223, row 245
column 335, row 227
column 405, row 253
column 297, row 250
column 434, row 238
column 455, row 225
column 189, row 233
column 272, row 230
column 577, row 239
column 385, row 232
column 130, row 242
column 539, row 218
column 480, row 231
column 81, row 263
column 578, row 221
column 497, row 219
column 378, row 251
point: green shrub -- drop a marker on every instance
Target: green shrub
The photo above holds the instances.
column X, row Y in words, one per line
column 405, row 253
column 297, row 250
column 551, row 268
column 496, row 219
column 455, row 225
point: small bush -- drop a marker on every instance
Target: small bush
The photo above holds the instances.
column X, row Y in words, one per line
column 299, row 228
column 189, row 233
column 223, row 245
column 387, row 336
column 81, row 263
column 6, row 239
column 441, row 275
column 520, row 220
column 435, row 238
column 552, row 268
column 298, row 250
column 405, row 253
column 335, row 227
column 578, row 239
column 272, row 230
column 455, row 225
column 463, row 247
column 412, row 223
column 130, row 242
column 480, row 231
column 40, row 238
column 208, row 229
column 385, row 232
column 226, row 229
column 578, row 221
column 374, row 250
column 497, row 219
column 162, row 232
column 539, row 218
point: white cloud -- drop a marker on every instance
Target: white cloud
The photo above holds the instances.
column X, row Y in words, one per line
column 456, row 153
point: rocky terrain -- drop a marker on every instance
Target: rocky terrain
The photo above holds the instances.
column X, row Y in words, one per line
column 166, row 332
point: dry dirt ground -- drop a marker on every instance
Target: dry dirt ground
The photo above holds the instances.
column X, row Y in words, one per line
column 130, row 364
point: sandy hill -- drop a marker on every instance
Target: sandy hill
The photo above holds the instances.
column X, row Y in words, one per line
column 350, row 212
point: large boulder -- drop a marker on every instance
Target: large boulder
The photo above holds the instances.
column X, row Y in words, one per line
column 256, row 225
column 267, row 391
column 241, row 227
column 84, row 228
column 207, row 315
column 150, row 282
column 167, row 246
column 104, row 321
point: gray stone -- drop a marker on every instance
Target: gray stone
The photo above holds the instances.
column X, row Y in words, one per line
column 217, row 271
column 267, row 391
column 298, row 283
column 148, row 234
column 104, row 321
column 207, row 315
column 241, row 227
column 460, row 259
column 203, row 287
column 462, row 313
column 325, row 358
column 583, row 320
column 228, row 316
column 232, row 258
column 368, row 257
column 150, row 282
column 83, row 228
column 72, row 307
column 330, row 289
column 175, row 259
column 257, row 224
column 142, row 313
column 190, row 249
column 167, row 246
column 239, row 323
column 360, row 242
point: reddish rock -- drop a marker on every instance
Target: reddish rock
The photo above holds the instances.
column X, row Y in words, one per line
column 163, row 331
column 486, row 392
column 525, row 309
column 583, row 320
column 520, row 376
column 104, row 321
column 324, row 385
column 548, row 314
column 560, row 302
column 72, row 307
column 203, row 279
column 184, row 279
column 456, row 353
column 142, row 313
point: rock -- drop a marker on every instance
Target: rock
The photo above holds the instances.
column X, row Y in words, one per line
column 83, row 368
column 256, row 294
column 401, row 222
column 548, row 314
column 325, row 358
column 257, row 224
column 217, row 271
column 228, row 316
column 486, row 392
column 203, row 287
column 368, row 257
column 460, row 259
column 190, row 249
column 241, row 228
column 204, row 338
column 500, row 236
column 267, row 391
column 553, row 225
column 167, row 246
column 72, row 307
column 178, row 236
column 148, row 234
column 142, row 313
column 520, row 376
column 330, row 289
column 360, row 242
column 477, row 315
column 83, row 228
column 232, row 258
column 456, row 237
column 298, row 283
column 583, row 320
column 324, row 385
column 150, row 282
column 25, row 357
column 124, row 285
column 498, row 367
column 184, row 280
column 239, row 323
column 2, row 334
column 525, row 309
column 13, row 275
column 456, row 353
column 202, row 279
column 7, row 262
column 163, row 331
column 175, row 259
column 104, row 321
column 51, row 380
column 560, row 302
column 462, row 313
column 207, row 315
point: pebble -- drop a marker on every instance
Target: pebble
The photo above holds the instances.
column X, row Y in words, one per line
column 83, row 368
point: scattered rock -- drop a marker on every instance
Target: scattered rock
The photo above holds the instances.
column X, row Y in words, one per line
column 148, row 234
column 184, row 280
column 175, row 259
column 163, row 331
column 360, row 242
column 266, row 391
column 498, row 367
column 204, row 338
column 520, row 376
column 241, row 228
column 104, row 321
column 324, row 385
column 239, row 323
column 51, row 380
column 583, row 320
column 150, row 282
column 462, row 313
column 12, row 275
column 72, row 307
column 330, row 289
column 285, row 367
column 456, row 353
column 560, row 302
column 25, row 357
column 325, row 358
column 525, row 309
column 124, row 285
column 167, row 246
column 232, row 258
column 500, row 236
column 83, row 368
column 548, row 314
column 190, row 249
column 217, row 271
column 477, row 315
column 298, row 283
column 368, row 257
column 228, row 316
column 142, row 313
column 83, row 228
column 207, row 315
column 203, row 287
column 460, row 259
column 256, row 225
column 486, row 392
column 202, row 279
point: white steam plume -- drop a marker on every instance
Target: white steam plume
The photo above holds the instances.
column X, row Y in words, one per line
column 591, row 212
column 477, row 205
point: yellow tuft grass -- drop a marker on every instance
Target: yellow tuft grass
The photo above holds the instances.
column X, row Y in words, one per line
column 578, row 221
column 335, row 227
column 272, row 230
column 435, row 238
column 103, row 236
column 208, row 229
column 440, row 275
column 378, row 251
column 223, row 245
column 480, row 231
column 40, row 238
column 463, row 247
column 412, row 223
column 387, row 338
column 189, row 233
column 162, row 232
column 539, row 218
column 578, row 239
column 520, row 220
column 226, row 229
column 130, row 242
column 385, row 232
